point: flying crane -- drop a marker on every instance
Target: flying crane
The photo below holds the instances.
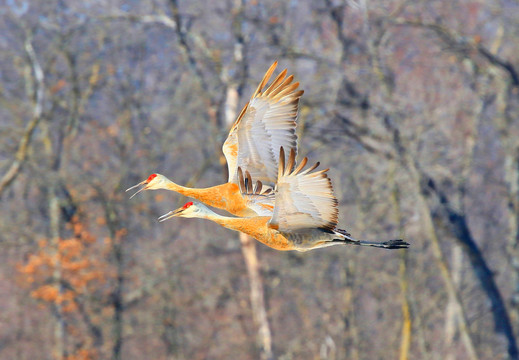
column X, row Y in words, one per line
column 304, row 216
column 266, row 123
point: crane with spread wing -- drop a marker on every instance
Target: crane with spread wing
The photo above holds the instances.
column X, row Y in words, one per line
column 304, row 216
column 266, row 123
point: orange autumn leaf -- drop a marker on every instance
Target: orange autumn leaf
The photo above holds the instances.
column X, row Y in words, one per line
column 58, row 86
column 70, row 247
column 69, row 307
column 47, row 293
column 75, row 265
column 83, row 354
column 121, row 232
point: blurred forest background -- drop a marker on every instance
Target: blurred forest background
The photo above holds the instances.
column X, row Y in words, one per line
column 412, row 104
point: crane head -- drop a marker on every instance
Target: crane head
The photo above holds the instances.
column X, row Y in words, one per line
column 189, row 210
column 153, row 182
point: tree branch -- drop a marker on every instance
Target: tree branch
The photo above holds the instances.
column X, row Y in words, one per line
column 465, row 44
column 464, row 237
column 460, row 228
column 23, row 146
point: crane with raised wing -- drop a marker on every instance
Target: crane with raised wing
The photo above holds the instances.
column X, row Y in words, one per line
column 266, row 123
column 304, row 216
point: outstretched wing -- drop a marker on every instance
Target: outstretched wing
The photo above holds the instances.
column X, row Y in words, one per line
column 267, row 122
column 258, row 198
column 304, row 199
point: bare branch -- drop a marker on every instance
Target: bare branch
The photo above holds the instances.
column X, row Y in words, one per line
column 464, row 237
column 24, row 143
column 144, row 19
column 464, row 43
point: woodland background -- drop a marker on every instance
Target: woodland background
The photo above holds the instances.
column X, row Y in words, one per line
column 412, row 104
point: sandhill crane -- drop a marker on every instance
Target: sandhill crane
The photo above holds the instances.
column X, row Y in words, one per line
column 266, row 123
column 304, row 217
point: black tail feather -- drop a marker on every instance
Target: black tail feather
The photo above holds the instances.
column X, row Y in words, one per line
column 395, row 244
column 390, row 244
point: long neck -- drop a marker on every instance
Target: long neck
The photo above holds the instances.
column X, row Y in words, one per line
column 170, row 185
column 225, row 196
column 249, row 226
column 228, row 222
column 204, row 195
column 254, row 226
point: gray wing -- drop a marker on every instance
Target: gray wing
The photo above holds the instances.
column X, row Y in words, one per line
column 265, row 124
column 258, row 198
column 304, row 199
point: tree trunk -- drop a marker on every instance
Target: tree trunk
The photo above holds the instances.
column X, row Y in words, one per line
column 248, row 246
column 483, row 273
column 451, row 316
column 417, row 181
column 405, row 342
column 444, row 269
column 405, row 339
column 59, row 326
column 510, row 146
column 257, row 297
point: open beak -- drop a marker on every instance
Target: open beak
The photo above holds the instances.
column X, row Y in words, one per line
column 171, row 214
column 142, row 183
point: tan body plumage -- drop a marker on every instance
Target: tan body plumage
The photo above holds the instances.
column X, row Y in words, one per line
column 224, row 196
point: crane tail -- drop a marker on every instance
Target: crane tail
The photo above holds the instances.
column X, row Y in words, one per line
column 346, row 239
column 390, row 244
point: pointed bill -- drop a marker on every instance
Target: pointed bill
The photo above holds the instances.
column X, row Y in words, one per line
column 171, row 214
column 142, row 183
